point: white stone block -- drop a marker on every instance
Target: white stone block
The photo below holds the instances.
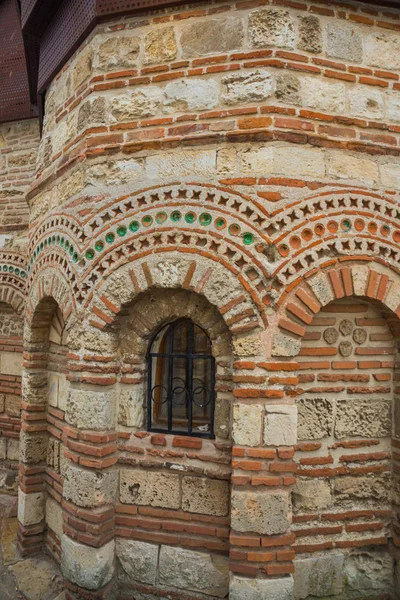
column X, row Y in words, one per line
column 88, row 567
column 243, row 588
column 280, row 426
column 30, row 508
column 247, row 424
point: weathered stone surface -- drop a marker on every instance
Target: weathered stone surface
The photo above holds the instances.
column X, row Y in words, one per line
column 93, row 111
column 251, row 86
column 345, row 348
column 53, row 515
column 211, row 36
column 365, row 418
column 149, row 488
column 323, row 95
column 299, row 161
column 191, row 94
column 393, row 107
column 319, row 576
column 30, row 508
column 187, row 164
column 344, row 166
column 141, row 102
column 118, row 53
column 331, row 335
column 195, row 571
column 244, row 588
column 366, row 103
column 288, row 86
column 321, row 288
column 11, row 363
column 382, row 49
column 247, row 423
column 360, row 336
column 260, row 512
column 344, row 41
column 284, row 345
column 3, row 448
column 390, row 175
column 91, row 568
column 367, row 571
column 13, row 405
column 160, row 45
column 205, row 496
column 13, row 448
column 138, row 560
column 369, row 487
column 315, row 418
column 83, row 67
column 310, row 34
column 90, row 488
column 311, row 495
column 271, row 27
column 360, row 276
column 33, row 447
column 257, row 160
column 131, row 407
column 90, row 410
column 280, row 426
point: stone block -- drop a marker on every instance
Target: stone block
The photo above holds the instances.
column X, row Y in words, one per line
column 321, row 287
column 30, row 508
column 284, row 345
column 265, row 513
column 315, row 418
column 13, row 405
column 344, row 41
column 53, row 389
column 363, row 418
column 226, row 160
column 212, row 36
column 382, row 49
column 280, row 426
column 189, row 163
column 33, row 447
column 366, row 103
column 390, row 175
column 82, row 68
column 53, row 516
column 360, row 276
column 294, row 161
column 250, row 86
column 351, row 488
column 247, row 424
column 318, row 576
column 205, row 496
column 288, row 86
column 160, row 45
column 91, row 410
column 118, row 52
column 13, row 449
column 3, row 448
column 311, row 495
column 190, row 570
column 90, row 568
column 148, row 488
column 321, row 94
column 369, row 571
column 191, row 94
column 91, row 112
column 271, row 27
column 139, row 103
column 63, row 391
column 2, row 402
column 393, row 107
column 257, row 161
column 344, row 166
column 11, row 363
column 131, row 407
column 243, row 588
column 138, row 561
column 310, row 34
column 90, row 488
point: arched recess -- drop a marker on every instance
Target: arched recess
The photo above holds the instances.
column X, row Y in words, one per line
column 173, row 500
column 339, row 334
column 44, row 397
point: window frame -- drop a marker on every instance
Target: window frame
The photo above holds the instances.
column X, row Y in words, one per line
column 190, row 357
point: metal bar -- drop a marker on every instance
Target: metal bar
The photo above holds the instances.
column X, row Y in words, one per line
column 212, row 399
column 170, row 374
column 189, row 377
column 149, row 393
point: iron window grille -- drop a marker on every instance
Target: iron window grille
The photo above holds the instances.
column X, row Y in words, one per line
column 181, row 381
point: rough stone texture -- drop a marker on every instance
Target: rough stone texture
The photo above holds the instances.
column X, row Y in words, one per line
column 141, row 102
column 191, row 94
column 160, row 45
column 90, row 410
column 265, row 513
column 288, row 88
column 383, row 50
column 205, row 496
column 284, row 345
column 353, row 168
column 367, row 104
column 90, row 488
column 310, row 34
column 138, row 560
column 371, row 487
column 252, row 86
column 344, row 41
column 321, row 288
column 311, row 495
column 118, row 53
column 149, row 488
column 280, row 426
column 247, row 424
column 93, row 111
column 243, row 588
column 271, row 27
column 367, row 571
column 131, row 407
column 53, row 515
column 315, row 418
column 46, row 583
column 30, row 508
column 319, row 576
column 365, row 418
column 212, row 36
column 33, row 448
column 88, row 567
column 323, row 95
column 196, row 571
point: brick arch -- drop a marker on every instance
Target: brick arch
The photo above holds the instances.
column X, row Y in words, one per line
column 369, row 279
column 239, row 304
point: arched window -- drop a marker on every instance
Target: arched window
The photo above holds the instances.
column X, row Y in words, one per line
column 181, row 378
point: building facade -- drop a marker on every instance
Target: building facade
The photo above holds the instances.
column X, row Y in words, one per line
column 200, row 297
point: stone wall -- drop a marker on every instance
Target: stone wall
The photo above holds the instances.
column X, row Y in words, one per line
column 236, row 164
